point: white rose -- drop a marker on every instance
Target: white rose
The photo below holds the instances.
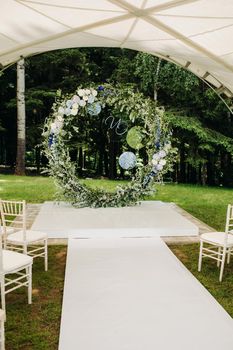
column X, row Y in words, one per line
column 60, row 118
column 159, row 167
column 75, row 98
column 74, row 111
column 85, row 98
column 94, row 93
column 58, row 124
column 67, row 111
column 154, row 161
column 53, row 127
column 162, row 162
column 87, row 92
column 167, row 147
column 75, row 105
column 80, row 92
column 162, row 154
column 91, row 99
column 82, row 103
column 156, row 156
column 61, row 110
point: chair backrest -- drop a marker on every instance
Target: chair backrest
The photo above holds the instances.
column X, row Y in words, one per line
column 229, row 222
column 13, row 213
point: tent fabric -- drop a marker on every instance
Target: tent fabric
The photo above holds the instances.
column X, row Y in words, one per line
column 195, row 34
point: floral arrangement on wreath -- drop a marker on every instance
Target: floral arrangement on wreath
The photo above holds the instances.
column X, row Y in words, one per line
column 148, row 129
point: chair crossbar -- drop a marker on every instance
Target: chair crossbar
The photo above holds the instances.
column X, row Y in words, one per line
column 35, row 250
column 15, row 280
column 24, row 284
column 42, row 255
column 211, row 256
column 212, row 251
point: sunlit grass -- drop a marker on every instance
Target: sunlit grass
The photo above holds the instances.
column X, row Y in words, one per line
column 206, row 203
column 34, row 189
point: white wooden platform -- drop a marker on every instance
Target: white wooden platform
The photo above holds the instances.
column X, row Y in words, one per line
column 158, row 218
column 134, row 294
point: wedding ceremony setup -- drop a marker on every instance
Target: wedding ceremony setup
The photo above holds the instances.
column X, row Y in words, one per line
column 117, row 232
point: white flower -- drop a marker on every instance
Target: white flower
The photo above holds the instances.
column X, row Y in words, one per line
column 94, row 92
column 76, row 98
column 60, row 118
column 58, row 124
column 156, row 156
column 53, row 127
column 162, row 162
column 75, row 106
column 67, row 111
column 87, row 92
column 159, row 167
column 74, row 111
column 80, row 92
column 91, row 99
column 162, row 153
column 82, row 103
column 61, row 110
column 154, row 161
column 85, row 98
column 167, row 146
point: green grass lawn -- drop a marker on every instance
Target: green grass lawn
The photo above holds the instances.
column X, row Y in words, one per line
column 206, row 203
column 34, row 189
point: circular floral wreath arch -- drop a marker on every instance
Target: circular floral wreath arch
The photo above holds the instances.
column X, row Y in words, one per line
column 87, row 103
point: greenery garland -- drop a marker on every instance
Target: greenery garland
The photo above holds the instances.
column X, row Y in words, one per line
column 144, row 117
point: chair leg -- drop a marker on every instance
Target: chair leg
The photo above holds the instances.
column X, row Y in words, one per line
column 200, row 256
column 219, row 256
column 46, row 255
column 228, row 256
column 2, row 336
column 29, row 273
column 222, row 264
column 3, row 296
column 25, row 249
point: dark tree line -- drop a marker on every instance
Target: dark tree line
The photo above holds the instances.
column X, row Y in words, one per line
column 202, row 125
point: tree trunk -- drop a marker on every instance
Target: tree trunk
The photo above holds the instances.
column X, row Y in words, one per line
column 156, row 80
column 182, row 170
column 21, row 119
column 211, row 170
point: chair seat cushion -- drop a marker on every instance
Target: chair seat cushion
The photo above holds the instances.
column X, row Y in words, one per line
column 9, row 230
column 31, row 236
column 14, row 261
column 217, row 238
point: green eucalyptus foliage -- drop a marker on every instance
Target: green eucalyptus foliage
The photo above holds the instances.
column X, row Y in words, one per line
column 134, row 108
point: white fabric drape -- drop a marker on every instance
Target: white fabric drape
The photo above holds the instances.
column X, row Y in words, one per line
column 196, row 34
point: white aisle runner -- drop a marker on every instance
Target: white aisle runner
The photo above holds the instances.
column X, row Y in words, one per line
column 134, row 294
column 158, row 218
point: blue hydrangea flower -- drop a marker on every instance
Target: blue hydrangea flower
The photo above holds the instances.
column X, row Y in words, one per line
column 127, row 160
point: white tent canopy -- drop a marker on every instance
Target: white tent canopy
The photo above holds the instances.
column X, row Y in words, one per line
column 196, row 34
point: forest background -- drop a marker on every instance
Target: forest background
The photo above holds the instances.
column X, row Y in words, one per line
column 202, row 125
